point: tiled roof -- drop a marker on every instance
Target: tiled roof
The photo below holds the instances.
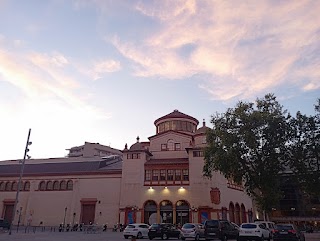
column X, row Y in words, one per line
column 203, row 129
column 167, row 161
column 176, row 114
column 64, row 168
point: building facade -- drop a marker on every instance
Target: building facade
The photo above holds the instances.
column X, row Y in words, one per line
column 159, row 180
column 92, row 149
column 61, row 191
column 162, row 179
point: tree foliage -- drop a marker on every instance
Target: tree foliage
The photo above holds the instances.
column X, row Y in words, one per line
column 256, row 143
column 248, row 144
column 304, row 148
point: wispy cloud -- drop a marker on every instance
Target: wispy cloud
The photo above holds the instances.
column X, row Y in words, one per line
column 44, row 77
column 102, row 67
column 245, row 48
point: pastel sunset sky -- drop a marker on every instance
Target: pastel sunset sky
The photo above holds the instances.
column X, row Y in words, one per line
column 104, row 70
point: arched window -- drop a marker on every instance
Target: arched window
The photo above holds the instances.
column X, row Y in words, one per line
column 231, row 212
column 14, row 186
column 170, row 145
column 8, row 186
column 42, row 186
column 2, row 186
column 49, row 185
column 56, row 185
column 237, row 214
column 243, row 214
column 69, row 185
column 63, row 185
column 250, row 216
column 26, row 186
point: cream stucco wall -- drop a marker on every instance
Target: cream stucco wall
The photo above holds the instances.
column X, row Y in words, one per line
column 49, row 206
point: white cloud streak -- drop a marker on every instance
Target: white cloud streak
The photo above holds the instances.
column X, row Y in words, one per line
column 103, row 67
column 42, row 78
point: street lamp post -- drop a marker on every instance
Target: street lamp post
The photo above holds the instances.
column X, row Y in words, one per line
column 64, row 218
column 20, row 178
column 74, row 216
column 20, row 210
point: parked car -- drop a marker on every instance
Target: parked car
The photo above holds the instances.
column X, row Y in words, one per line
column 309, row 229
column 271, row 226
column 138, row 230
column 4, row 224
column 219, row 229
column 287, row 231
column 253, row 231
column 163, row 231
column 236, row 226
column 192, row 230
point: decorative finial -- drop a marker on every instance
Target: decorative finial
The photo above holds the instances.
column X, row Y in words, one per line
column 138, row 138
column 204, row 122
column 126, row 146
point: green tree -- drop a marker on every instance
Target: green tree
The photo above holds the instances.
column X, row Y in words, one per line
column 248, row 143
column 304, row 148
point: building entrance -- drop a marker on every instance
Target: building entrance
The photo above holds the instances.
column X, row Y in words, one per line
column 88, row 213
column 8, row 211
column 150, row 212
column 182, row 212
column 166, row 212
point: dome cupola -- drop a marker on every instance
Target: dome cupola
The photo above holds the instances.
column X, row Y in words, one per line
column 176, row 121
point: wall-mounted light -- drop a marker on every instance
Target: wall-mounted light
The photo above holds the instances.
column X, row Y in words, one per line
column 181, row 190
column 165, row 187
column 150, row 188
column 134, row 208
column 194, row 209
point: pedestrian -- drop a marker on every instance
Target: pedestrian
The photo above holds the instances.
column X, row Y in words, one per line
column 105, row 227
column 60, row 227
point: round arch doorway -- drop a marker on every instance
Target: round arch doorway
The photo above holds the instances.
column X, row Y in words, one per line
column 166, row 211
column 182, row 212
column 150, row 212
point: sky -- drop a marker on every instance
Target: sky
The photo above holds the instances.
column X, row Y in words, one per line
column 104, row 70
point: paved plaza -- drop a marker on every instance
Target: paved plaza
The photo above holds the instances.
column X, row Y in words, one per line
column 81, row 236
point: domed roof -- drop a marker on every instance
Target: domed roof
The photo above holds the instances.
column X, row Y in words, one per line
column 136, row 147
column 139, row 146
column 176, row 114
column 203, row 129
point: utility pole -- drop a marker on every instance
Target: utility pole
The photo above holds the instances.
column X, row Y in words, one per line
column 64, row 219
column 19, row 183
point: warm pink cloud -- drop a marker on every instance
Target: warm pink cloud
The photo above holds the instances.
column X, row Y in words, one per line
column 247, row 47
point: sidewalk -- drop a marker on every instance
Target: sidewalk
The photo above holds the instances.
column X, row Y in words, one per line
column 61, row 236
column 81, row 236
